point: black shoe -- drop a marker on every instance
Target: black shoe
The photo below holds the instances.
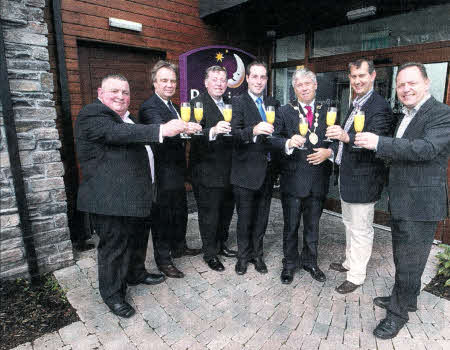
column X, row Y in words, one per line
column 229, row 253
column 149, row 279
column 315, row 272
column 338, row 267
column 215, row 264
column 384, row 302
column 171, row 271
column 388, row 328
column 260, row 265
column 241, row 267
column 122, row 309
column 186, row 251
column 347, row 287
column 287, row 275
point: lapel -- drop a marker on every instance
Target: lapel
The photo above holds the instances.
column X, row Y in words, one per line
column 211, row 111
column 115, row 116
column 252, row 109
column 419, row 117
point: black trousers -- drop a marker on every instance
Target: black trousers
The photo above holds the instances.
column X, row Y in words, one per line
column 215, row 210
column 121, row 253
column 253, row 208
column 293, row 209
column 169, row 221
column 411, row 244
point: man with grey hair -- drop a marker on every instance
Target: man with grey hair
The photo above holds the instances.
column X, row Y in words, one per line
column 305, row 174
column 417, row 188
column 210, row 161
column 361, row 174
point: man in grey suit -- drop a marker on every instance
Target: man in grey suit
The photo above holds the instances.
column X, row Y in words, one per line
column 116, row 187
column 417, row 188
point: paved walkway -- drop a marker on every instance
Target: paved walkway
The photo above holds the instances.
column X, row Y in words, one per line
column 210, row 310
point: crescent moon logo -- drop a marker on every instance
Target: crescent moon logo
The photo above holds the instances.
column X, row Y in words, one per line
column 239, row 75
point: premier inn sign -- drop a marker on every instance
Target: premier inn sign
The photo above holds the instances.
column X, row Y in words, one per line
column 194, row 63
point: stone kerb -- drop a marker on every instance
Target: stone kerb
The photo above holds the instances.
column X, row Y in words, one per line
column 31, row 86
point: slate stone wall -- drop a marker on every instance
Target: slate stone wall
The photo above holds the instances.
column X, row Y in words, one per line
column 31, row 84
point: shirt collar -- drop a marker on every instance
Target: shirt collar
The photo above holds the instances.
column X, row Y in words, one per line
column 411, row 112
column 165, row 101
column 361, row 100
column 308, row 104
column 254, row 97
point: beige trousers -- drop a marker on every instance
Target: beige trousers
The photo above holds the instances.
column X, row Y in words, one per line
column 358, row 221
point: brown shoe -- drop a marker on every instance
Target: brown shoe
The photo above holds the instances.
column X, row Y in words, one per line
column 171, row 271
column 347, row 287
column 338, row 267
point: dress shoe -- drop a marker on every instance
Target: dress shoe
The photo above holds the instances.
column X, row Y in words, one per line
column 287, row 275
column 229, row 253
column 388, row 328
column 260, row 265
column 315, row 272
column 215, row 264
column 149, row 279
column 241, row 267
column 122, row 309
column 338, row 267
column 384, row 302
column 347, row 287
column 171, row 271
column 186, row 252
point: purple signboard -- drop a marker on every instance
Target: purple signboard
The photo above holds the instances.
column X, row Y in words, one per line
column 194, row 63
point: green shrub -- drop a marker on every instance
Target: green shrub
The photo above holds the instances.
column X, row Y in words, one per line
column 444, row 263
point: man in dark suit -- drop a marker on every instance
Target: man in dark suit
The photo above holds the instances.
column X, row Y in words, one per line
column 252, row 170
column 362, row 175
column 210, row 162
column 305, row 175
column 169, row 214
column 418, row 155
column 116, row 187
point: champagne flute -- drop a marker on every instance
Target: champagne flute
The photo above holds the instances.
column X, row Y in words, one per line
column 270, row 117
column 227, row 114
column 331, row 119
column 185, row 116
column 198, row 115
column 303, row 129
column 358, row 122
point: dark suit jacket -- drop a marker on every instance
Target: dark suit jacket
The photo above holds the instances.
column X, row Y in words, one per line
column 170, row 158
column 114, row 164
column 298, row 177
column 362, row 175
column 249, row 159
column 210, row 161
column 418, row 171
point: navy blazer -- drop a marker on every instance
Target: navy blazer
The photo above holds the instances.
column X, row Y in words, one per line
column 249, row 159
column 298, row 177
column 210, row 161
column 362, row 175
column 418, row 172
column 116, row 178
column 170, row 155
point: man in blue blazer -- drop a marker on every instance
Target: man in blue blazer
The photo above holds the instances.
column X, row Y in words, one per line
column 305, row 174
column 116, row 187
column 361, row 174
column 169, row 215
column 418, row 156
column 252, row 169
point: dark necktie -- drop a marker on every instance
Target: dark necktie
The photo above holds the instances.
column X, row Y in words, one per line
column 172, row 108
column 261, row 109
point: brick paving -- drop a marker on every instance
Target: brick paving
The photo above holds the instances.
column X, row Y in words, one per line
column 211, row 310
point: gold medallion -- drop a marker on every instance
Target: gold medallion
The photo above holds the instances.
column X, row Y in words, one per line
column 313, row 138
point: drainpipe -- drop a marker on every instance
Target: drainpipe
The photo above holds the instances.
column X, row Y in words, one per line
column 16, row 166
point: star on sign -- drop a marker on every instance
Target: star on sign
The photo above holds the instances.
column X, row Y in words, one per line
column 219, row 56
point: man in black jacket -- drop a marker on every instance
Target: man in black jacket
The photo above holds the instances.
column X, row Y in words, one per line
column 169, row 214
column 252, row 170
column 418, row 155
column 210, row 161
column 116, row 187
column 305, row 174
column 361, row 174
